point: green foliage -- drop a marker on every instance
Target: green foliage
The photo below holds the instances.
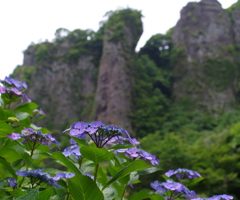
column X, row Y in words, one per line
column 119, row 20
column 24, row 72
column 45, row 53
column 233, row 7
column 87, row 189
column 82, row 43
column 150, row 102
column 219, row 72
column 158, row 48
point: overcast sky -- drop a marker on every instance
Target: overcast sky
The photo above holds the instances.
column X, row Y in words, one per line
column 26, row 21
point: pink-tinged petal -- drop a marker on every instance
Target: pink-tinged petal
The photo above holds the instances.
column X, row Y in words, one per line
column 14, row 136
column 25, row 97
column 134, row 141
column 16, row 91
column 2, row 90
column 28, row 131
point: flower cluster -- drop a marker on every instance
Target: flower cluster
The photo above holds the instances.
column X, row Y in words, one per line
column 100, row 134
column 30, row 135
column 14, row 88
column 63, row 175
column 183, row 173
column 174, row 188
column 72, row 150
column 12, row 182
column 37, row 177
column 135, row 152
column 216, row 197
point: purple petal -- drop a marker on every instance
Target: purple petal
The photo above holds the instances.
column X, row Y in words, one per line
column 2, row 90
column 14, row 136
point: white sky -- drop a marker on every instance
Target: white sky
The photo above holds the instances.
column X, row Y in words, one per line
column 26, row 21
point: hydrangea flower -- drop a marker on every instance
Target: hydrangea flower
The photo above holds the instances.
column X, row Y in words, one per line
column 38, row 113
column 183, row 173
column 63, row 175
column 174, row 188
column 18, row 84
column 216, row 197
column 29, row 135
column 13, row 87
column 101, row 134
column 72, row 150
column 135, row 152
column 12, row 182
column 221, row 197
column 37, row 177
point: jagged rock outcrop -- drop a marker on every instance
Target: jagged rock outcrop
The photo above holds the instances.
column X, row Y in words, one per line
column 235, row 16
column 113, row 95
column 64, row 73
column 205, row 72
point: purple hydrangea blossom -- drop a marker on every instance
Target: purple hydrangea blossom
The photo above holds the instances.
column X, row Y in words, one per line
column 12, row 182
column 63, row 175
column 37, row 177
column 15, row 136
column 216, row 197
column 18, row 84
column 29, row 135
column 101, row 134
column 72, row 150
column 174, row 188
column 135, row 152
column 2, row 90
column 13, row 87
column 183, row 173
column 221, row 197
column 38, row 113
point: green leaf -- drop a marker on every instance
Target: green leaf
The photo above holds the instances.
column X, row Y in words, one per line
column 194, row 181
column 25, row 123
column 149, row 170
column 8, row 167
column 87, row 166
column 5, row 129
column 19, row 192
column 110, row 193
column 146, row 194
column 9, row 113
column 65, row 161
column 84, row 188
column 2, row 114
column 9, row 154
column 47, row 193
column 26, row 107
column 95, row 154
column 32, row 195
column 80, row 142
column 21, row 115
column 136, row 165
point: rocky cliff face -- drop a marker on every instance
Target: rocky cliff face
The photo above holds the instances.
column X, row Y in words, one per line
column 64, row 78
column 64, row 90
column 206, row 71
column 113, row 96
column 89, row 76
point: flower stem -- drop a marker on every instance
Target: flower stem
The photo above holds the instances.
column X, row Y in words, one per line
column 95, row 173
column 123, row 191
